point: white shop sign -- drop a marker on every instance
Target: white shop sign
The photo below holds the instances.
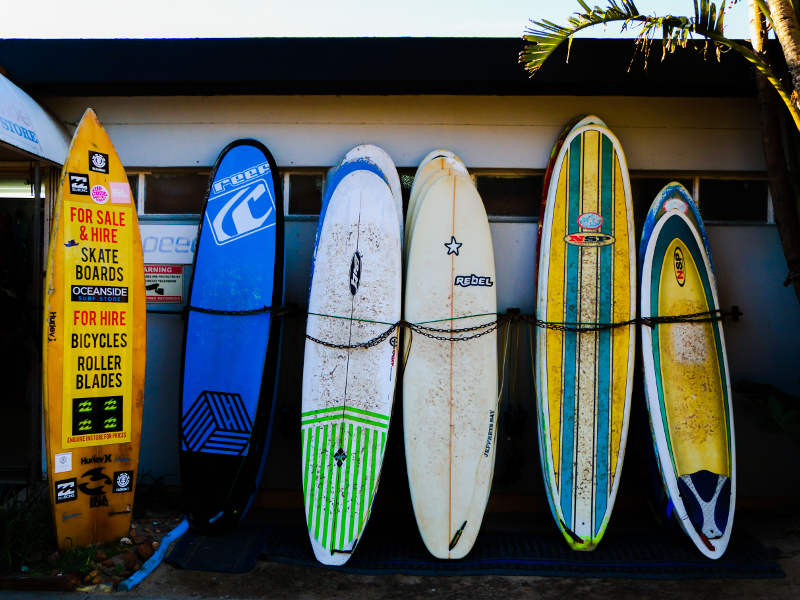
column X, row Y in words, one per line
column 164, row 243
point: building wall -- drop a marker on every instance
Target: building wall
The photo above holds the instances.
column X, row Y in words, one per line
column 658, row 134
column 486, row 131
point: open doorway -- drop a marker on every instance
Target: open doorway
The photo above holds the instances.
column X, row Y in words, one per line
column 20, row 321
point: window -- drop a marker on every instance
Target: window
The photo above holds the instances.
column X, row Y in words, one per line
column 133, row 181
column 16, row 188
column 175, row 193
column 507, row 195
column 721, row 198
column 734, row 200
column 510, row 195
column 406, row 181
column 304, row 191
column 644, row 190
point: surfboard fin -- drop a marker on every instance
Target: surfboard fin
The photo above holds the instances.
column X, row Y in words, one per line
column 457, row 536
column 337, row 551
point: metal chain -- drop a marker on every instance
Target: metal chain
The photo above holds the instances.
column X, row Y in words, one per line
column 432, row 332
column 368, row 344
column 277, row 311
column 454, row 335
column 698, row 317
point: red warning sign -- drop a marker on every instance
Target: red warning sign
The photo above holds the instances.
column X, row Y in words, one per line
column 164, row 284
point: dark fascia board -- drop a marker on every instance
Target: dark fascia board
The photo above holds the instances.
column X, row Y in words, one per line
column 475, row 66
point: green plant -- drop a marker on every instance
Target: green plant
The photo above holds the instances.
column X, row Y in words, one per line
column 708, row 22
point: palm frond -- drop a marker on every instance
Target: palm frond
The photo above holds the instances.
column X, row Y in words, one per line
column 764, row 8
column 544, row 36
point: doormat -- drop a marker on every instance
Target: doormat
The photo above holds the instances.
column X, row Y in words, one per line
column 661, row 556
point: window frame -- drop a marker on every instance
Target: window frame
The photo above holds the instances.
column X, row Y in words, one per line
column 696, row 176
column 141, row 193
column 285, row 181
column 285, row 178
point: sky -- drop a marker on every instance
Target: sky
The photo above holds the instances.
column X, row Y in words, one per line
column 301, row 18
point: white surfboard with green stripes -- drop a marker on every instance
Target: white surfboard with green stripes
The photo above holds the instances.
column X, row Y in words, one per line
column 348, row 393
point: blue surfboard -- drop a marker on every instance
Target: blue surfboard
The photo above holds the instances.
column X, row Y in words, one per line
column 232, row 340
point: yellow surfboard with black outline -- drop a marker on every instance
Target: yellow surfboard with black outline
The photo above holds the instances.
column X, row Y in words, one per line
column 94, row 344
column 587, row 276
column 686, row 372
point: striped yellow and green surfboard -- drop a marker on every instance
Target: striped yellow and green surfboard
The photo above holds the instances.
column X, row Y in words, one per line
column 686, row 373
column 587, row 275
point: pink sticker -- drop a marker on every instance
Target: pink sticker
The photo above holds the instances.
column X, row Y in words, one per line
column 676, row 204
column 99, row 194
column 120, row 192
column 590, row 220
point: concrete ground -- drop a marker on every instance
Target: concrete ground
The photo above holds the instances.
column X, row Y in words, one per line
column 775, row 529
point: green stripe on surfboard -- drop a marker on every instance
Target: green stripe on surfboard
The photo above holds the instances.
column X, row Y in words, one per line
column 341, row 409
column 340, row 417
column 344, row 481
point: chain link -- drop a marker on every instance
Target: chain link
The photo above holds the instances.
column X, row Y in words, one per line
column 476, row 331
column 277, row 311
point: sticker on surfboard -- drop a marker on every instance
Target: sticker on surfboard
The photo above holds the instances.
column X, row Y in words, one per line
column 99, row 322
column 241, row 204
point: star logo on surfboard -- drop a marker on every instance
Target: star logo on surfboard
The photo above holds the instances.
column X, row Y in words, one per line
column 453, row 246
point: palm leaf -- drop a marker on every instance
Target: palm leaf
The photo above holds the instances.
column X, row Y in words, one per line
column 764, row 8
column 544, row 37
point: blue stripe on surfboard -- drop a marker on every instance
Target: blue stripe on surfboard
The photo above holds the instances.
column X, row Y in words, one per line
column 604, row 357
column 570, row 338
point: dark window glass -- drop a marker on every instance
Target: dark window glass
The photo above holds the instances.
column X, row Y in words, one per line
column 644, row 190
column 175, row 193
column 733, row 200
column 511, row 195
column 133, row 181
column 406, row 181
column 305, row 193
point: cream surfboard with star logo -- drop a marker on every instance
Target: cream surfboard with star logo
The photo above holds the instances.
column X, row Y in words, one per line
column 450, row 386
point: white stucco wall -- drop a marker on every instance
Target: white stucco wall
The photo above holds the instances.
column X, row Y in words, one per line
column 486, row 131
